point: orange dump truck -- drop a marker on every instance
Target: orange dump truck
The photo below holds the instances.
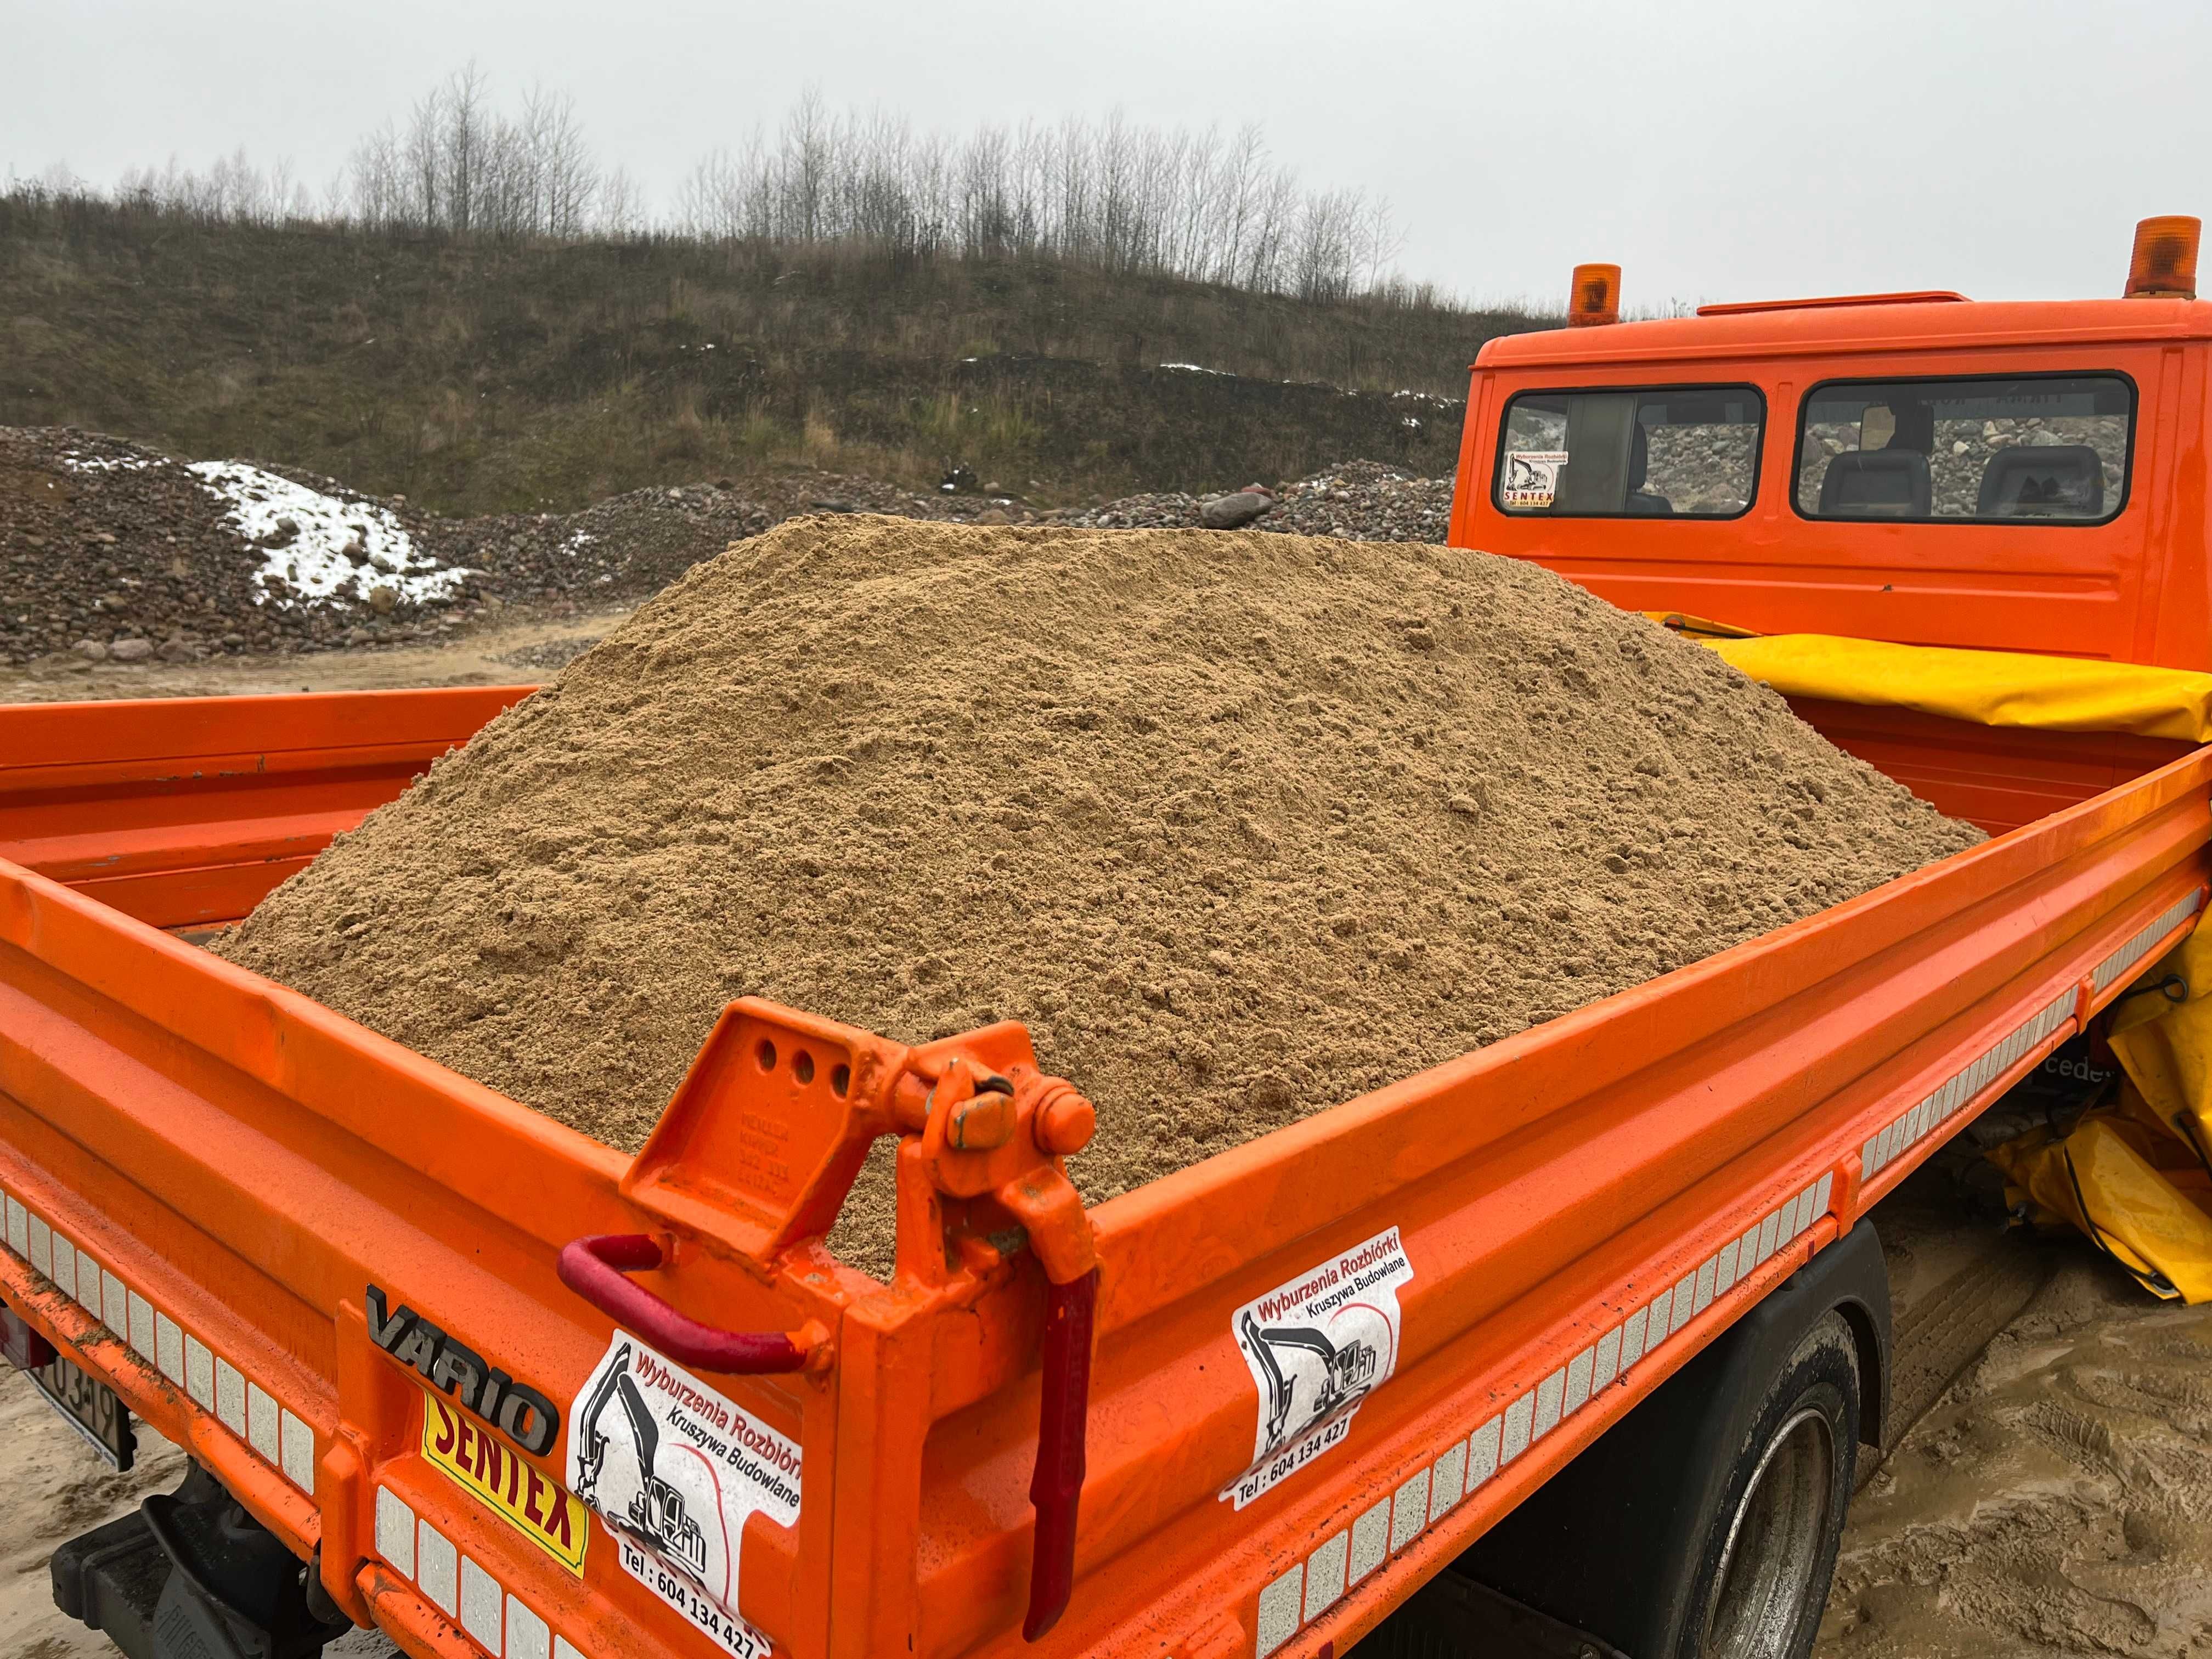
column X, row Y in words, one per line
column 1561, row 1347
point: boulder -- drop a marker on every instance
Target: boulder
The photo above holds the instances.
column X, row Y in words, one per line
column 1228, row 512
column 130, row 650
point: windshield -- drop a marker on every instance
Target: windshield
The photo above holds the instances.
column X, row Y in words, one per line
column 2035, row 448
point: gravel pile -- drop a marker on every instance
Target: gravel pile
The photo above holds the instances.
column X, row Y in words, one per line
column 1242, row 824
column 1354, row 500
column 111, row 551
column 108, row 549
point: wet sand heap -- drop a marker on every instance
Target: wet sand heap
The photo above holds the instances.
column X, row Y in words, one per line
column 1241, row 825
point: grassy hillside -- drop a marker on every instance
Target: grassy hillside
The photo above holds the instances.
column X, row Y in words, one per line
column 478, row 377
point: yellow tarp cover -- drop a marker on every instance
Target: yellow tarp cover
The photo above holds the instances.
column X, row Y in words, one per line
column 1991, row 688
column 2138, row 1163
column 2095, row 1178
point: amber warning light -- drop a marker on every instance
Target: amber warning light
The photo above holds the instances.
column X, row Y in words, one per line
column 1595, row 296
column 2164, row 264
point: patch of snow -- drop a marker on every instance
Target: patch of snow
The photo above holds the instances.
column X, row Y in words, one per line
column 113, row 464
column 1200, row 368
column 312, row 566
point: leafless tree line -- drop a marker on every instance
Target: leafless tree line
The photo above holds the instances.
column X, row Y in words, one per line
column 1204, row 205
column 460, row 166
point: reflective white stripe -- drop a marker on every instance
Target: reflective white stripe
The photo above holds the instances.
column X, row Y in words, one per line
column 18, row 1228
column 169, row 1348
column 2123, row 961
column 1607, row 1366
column 41, row 1254
column 395, row 1532
column 527, row 1635
column 230, row 1397
column 65, row 1273
column 483, row 1606
column 1578, row 1381
column 1549, row 1395
column 437, row 1569
column 1482, row 1454
column 1370, row 1541
column 1908, row 1128
column 297, row 1452
column 199, row 1373
column 1447, row 1480
column 1280, row 1604
column 462, row 1587
column 1518, row 1417
column 1324, row 1576
column 1409, row 1509
column 142, row 1342
column 1631, row 1339
column 261, row 1423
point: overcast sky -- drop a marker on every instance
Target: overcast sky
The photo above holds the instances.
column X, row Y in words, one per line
column 1716, row 149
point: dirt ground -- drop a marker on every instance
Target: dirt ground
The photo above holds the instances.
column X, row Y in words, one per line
column 517, row 652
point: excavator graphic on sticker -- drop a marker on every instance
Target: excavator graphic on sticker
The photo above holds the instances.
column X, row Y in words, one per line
column 1307, row 1376
column 629, row 1492
column 1317, row 1346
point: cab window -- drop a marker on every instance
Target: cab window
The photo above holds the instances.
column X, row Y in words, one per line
column 1641, row 452
column 2030, row 448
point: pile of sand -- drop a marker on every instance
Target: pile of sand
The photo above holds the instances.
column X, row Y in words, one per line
column 1241, row 824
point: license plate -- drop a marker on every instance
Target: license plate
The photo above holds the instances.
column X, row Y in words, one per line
column 88, row 1406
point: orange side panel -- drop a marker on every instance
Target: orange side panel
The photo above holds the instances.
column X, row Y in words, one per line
column 187, row 810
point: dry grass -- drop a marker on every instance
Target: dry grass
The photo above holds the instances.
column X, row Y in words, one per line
column 500, row 376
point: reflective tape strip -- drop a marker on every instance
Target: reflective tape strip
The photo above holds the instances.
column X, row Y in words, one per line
column 274, row 1432
column 1916, row 1124
column 2124, row 961
column 472, row 1596
column 483, row 1606
column 1325, row 1575
column 1279, row 1607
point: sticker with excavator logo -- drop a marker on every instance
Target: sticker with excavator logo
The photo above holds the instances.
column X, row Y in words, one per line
column 489, row 1468
column 1316, row 1347
column 673, row 1468
column 1532, row 477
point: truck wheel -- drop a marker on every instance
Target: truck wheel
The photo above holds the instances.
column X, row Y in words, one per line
column 1705, row 1524
column 1762, row 1579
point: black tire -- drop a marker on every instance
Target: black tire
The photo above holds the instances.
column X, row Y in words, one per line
column 1762, row 1576
column 1705, row 1524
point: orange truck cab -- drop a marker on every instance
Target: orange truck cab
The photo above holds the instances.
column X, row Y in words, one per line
column 1566, row 1346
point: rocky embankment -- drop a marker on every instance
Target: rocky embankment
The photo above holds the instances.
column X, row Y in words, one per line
column 112, row 552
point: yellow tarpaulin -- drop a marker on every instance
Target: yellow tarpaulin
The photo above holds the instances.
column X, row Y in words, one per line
column 2131, row 1169
column 1991, row 688
column 2096, row 1178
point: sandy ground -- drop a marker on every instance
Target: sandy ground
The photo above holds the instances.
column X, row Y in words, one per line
column 520, row 652
column 2056, row 1501
column 58, row 1488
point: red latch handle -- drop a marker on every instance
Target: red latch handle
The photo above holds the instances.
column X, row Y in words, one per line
column 1057, row 1483
column 593, row 1268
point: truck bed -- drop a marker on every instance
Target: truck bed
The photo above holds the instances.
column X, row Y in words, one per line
column 205, row 1173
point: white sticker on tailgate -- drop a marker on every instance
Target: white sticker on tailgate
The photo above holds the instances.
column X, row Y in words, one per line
column 674, row 1467
column 1316, row 1346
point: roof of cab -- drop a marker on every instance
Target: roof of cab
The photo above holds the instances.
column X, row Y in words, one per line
column 1876, row 324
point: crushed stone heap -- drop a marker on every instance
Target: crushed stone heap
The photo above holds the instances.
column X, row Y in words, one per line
column 1245, row 823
